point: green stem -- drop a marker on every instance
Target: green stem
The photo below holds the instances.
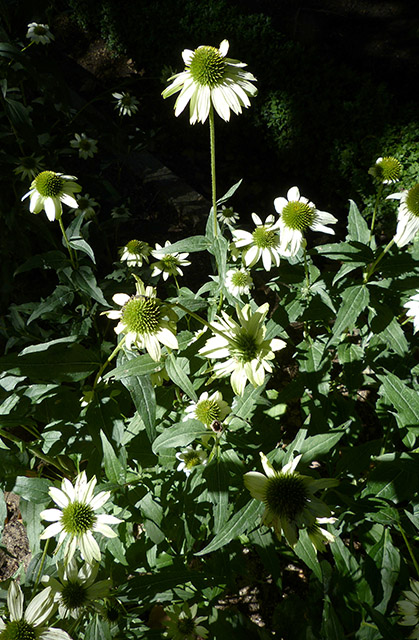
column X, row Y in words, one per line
column 374, row 264
column 41, row 566
column 306, row 269
column 409, row 548
column 380, row 190
column 207, row 324
column 34, row 450
column 70, row 251
column 213, row 176
column 105, row 364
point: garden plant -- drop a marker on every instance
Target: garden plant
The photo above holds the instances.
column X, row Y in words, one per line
column 176, row 446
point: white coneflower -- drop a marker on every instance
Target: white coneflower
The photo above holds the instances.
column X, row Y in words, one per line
column 242, row 347
column 227, row 215
column 296, row 215
column 39, row 33
column 211, row 79
column 142, row 318
column 408, row 215
column 263, row 242
column 208, row 408
column 183, row 624
column 29, row 167
column 409, row 608
column 76, row 520
column 135, row 252
column 190, row 458
column 289, row 498
column 126, row 104
column 386, row 170
column 29, row 624
column 76, row 589
column 87, row 147
column 238, row 282
column 48, row 190
column 168, row 264
column 412, row 307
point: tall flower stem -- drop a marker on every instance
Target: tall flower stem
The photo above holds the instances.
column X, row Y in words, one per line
column 41, row 566
column 70, row 251
column 372, row 268
column 105, row 364
column 306, row 269
column 213, row 175
column 197, row 317
column 409, row 548
column 380, row 190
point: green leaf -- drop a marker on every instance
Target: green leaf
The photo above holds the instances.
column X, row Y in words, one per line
column 317, row 446
column 97, row 629
column 386, row 629
column 353, row 253
column 179, row 435
column 217, row 478
column 33, row 524
column 350, row 573
column 242, row 520
column 58, row 361
column 190, row 245
column 84, row 279
column 404, row 399
column 354, row 300
column 114, row 469
column 138, row 366
column 178, row 371
column 357, row 226
column 387, row 561
column 306, row 552
column 55, row 302
column 331, row 628
column 34, row 490
column 393, row 477
column 144, row 399
column 230, row 192
column 80, row 244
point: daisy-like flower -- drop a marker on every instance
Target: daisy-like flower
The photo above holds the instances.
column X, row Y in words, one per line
column 208, row 409
column 29, row 167
column 121, row 213
column 408, row 215
column 134, row 253
column 39, row 33
column 76, row 589
column 386, row 170
column 296, row 215
column 412, row 306
column 190, row 458
column 87, row 146
column 245, row 353
column 29, row 624
column 409, row 608
column 183, row 623
column 238, row 282
column 48, row 190
column 142, row 319
column 126, row 103
column 211, row 80
column 227, row 215
column 76, row 519
column 86, row 206
column 289, row 498
column 262, row 243
column 168, row 264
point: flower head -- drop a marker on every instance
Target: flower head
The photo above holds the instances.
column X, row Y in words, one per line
column 408, row 215
column 190, row 458
column 238, row 282
column 227, row 215
column 142, row 319
column 39, row 33
column 242, row 346
column 296, row 215
column 86, row 206
column 289, row 499
column 29, row 624
column 134, row 253
column 76, row 519
column 76, row 589
column 409, row 608
column 87, row 146
column 211, row 80
column 168, row 264
column 48, row 190
column 386, row 170
column 412, row 306
column 208, row 409
column 183, row 623
column 126, row 103
column 29, row 167
column 262, row 243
